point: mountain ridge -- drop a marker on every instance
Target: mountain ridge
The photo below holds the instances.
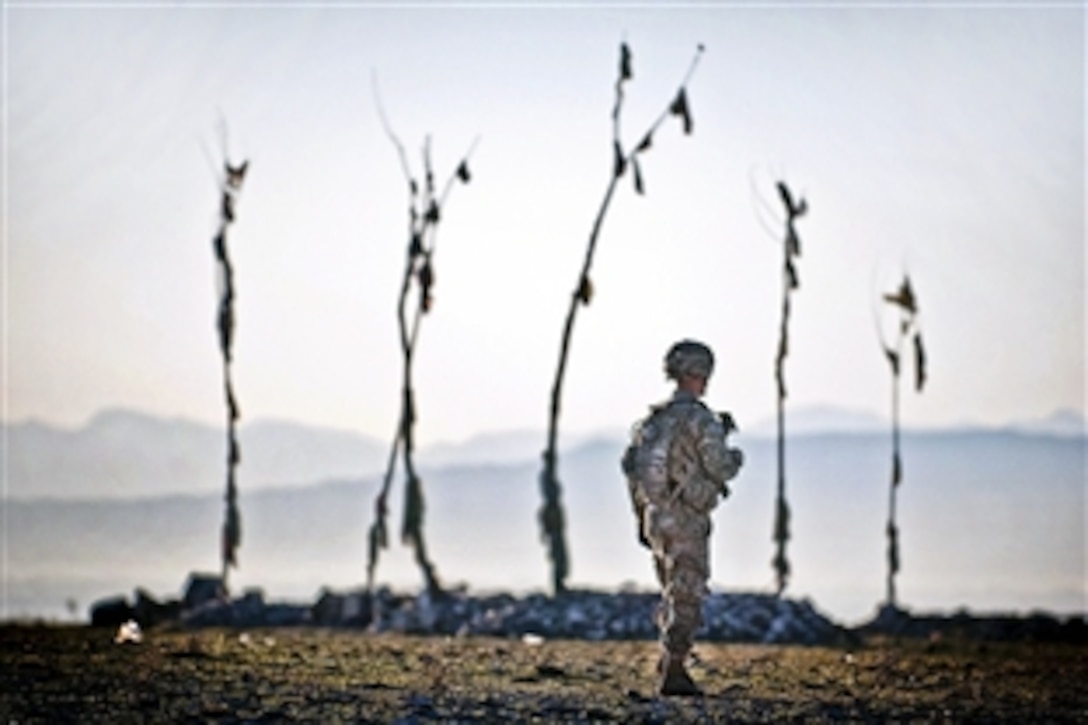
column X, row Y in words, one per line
column 123, row 453
column 963, row 497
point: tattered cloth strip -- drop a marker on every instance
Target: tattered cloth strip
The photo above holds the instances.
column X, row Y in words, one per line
column 424, row 214
column 231, row 537
column 550, row 516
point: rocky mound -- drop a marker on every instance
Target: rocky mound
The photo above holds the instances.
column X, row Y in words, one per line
column 579, row 614
column 597, row 615
column 1035, row 627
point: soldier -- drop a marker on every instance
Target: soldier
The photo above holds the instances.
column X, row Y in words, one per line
column 677, row 466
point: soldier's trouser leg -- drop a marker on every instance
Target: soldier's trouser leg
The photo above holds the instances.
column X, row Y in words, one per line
column 659, row 569
column 686, row 572
column 662, row 580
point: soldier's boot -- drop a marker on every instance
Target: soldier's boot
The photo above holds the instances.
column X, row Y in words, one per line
column 675, row 680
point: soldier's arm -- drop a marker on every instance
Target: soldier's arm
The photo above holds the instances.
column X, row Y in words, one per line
column 720, row 462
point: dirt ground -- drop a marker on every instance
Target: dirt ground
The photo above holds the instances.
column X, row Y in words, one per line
column 80, row 674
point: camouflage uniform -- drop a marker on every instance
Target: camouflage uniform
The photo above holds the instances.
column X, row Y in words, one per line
column 677, row 467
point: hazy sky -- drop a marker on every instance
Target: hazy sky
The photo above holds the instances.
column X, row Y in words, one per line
column 947, row 141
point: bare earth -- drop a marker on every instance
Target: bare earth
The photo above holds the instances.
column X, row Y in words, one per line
column 79, row 674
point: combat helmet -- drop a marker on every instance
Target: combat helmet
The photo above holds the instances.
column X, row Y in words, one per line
column 689, row 357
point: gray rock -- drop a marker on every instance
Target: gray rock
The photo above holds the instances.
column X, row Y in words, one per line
column 111, row 612
column 148, row 611
column 202, row 588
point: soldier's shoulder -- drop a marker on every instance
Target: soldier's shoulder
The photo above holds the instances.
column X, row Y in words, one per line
column 652, row 422
column 693, row 406
column 704, row 417
column 690, row 412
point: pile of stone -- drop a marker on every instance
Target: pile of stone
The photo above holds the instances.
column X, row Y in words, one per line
column 595, row 615
column 579, row 614
column 205, row 603
column 1035, row 627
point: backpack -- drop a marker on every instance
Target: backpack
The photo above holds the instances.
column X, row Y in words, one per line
column 646, row 461
column 660, row 461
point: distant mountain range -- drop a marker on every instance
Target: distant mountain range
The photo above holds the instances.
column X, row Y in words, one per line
column 988, row 519
column 124, row 454
column 128, row 454
column 817, row 420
